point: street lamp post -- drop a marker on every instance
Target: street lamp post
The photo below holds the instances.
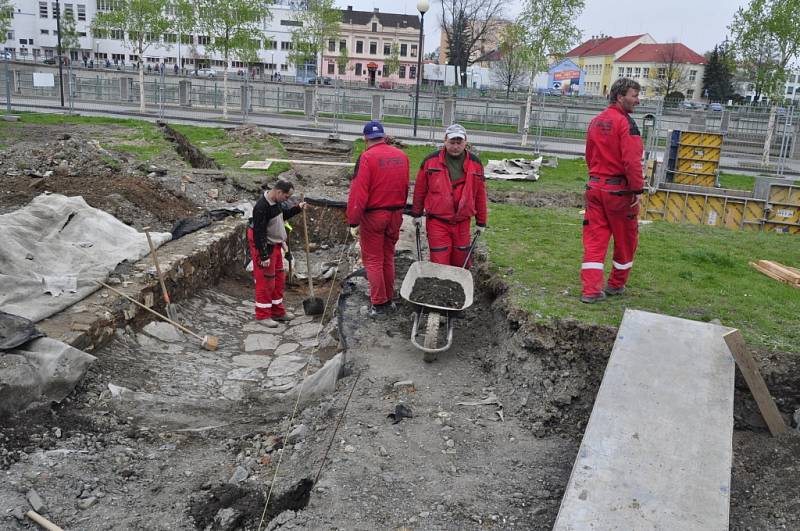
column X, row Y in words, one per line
column 422, row 7
column 60, row 65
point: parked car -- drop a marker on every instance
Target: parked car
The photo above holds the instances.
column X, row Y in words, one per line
column 6, row 55
column 320, row 80
column 206, row 72
column 716, row 106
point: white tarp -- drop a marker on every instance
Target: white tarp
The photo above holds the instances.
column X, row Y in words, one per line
column 44, row 80
column 55, row 248
column 513, row 169
column 41, row 371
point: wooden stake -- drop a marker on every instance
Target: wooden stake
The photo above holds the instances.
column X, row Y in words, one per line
column 755, row 382
column 42, row 521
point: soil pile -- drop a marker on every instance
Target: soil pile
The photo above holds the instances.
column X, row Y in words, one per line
column 437, row 292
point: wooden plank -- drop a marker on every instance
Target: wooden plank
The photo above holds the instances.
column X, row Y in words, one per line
column 782, row 270
column 755, row 382
column 772, row 274
column 256, row 165
column 657, row 450
column 294, row 161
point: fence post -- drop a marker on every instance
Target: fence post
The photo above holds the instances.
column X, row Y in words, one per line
column 308, row 103
column 521, row 124
column 449, row 112
column 124, row 88
column 185, row 93
column 17, row 81
column 377, row 107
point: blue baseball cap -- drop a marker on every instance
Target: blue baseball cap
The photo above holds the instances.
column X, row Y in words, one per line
column 373, row 129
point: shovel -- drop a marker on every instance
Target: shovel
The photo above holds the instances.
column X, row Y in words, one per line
column 171, row 313
column 312, row 305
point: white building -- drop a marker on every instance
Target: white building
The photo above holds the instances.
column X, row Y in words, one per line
column 33, row 37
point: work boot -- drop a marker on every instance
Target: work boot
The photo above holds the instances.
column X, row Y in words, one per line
column 591, row 299
column 269, row 323
column 375, row 310
column 614, row 291
column 283, row 318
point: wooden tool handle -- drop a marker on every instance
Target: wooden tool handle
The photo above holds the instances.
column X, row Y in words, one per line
column 167, row 319
column 308, row 251
column 42, row 521
column 158, row 269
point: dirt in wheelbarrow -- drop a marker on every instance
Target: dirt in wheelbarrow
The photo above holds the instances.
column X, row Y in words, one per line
column 433, row 291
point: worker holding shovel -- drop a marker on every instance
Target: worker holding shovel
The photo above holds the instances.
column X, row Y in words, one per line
column 375, row 212
column 267, row 235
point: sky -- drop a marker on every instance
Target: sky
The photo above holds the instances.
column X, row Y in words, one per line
column 699, row 24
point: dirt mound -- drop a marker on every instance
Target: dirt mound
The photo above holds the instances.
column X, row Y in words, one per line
column 537, row 199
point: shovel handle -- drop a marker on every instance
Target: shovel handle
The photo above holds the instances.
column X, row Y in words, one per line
column 471, row 248
column 308, row 251
column 419, row 246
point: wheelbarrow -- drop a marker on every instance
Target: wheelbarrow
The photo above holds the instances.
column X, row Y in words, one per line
column 431, row 314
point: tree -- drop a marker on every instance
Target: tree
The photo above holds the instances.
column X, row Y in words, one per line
column 319, row 22
column 6, row 12
column 466, row 23
column 139, row 23
column 767, row 34
column 234, row 27
column 69, row 35
column 342, row 60
column 672, row 75
column 718, row 77
column 547, row 28
column 391, row 65
column 432, row 56
column 509, row 70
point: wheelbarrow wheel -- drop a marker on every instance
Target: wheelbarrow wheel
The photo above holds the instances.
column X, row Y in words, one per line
column 431, row 336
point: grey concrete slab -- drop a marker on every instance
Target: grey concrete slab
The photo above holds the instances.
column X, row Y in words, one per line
column 657, row 450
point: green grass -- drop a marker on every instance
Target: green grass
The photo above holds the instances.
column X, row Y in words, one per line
column 736, row 182
column 688, row 271
column 231, row 155
column 569, row 176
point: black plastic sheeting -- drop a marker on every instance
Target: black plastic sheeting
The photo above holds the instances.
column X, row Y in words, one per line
column 185, row 226
column 15, row 331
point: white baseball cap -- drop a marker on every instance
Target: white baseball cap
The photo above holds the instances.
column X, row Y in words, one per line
column 455, row 131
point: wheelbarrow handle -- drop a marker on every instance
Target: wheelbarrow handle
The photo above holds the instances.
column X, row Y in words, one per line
column 419, row 245
column 471, row 248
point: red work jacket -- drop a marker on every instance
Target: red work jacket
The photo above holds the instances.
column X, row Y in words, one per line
column 453, row 201
column 614, row 148
column 380, row 182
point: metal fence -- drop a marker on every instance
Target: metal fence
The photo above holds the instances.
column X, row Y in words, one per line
column 563, row 119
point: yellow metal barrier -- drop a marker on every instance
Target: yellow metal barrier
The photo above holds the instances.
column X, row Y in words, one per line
column 696, row 166
column 711, row 154
column 689, row 138
column 695, row 180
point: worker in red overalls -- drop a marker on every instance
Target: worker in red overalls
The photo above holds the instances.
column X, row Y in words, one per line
column 375, row 212
column 614, row 159
column 267, row 236
column 449, row 191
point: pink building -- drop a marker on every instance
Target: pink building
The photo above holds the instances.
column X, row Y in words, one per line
column 368, row 37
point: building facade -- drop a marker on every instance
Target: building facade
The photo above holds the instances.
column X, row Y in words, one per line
column 368, row 38
column 662, row 68
column 33, row 37
column 596, row 57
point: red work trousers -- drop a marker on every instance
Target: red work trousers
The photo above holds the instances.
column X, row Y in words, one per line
column 269, row 281
column 378, row 235
column 448, row 242
column 608, row 215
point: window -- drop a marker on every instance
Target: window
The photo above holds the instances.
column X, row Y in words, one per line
column 403, row 50
column 373, row 48
column 81, row 34
column 284, row 67
column 331, row 45
column 291, row 23
column 342, row 45
column 170, row 38
column 358, row 69
column 402, row 71
column 789, row 90
column 621, row 72
column 82, row 12
column 271, row 45
column 374, row 27
column 45, row 32
column 286, row 45
column 412, row 72
column 331, row 68
column 68, row 12
column 387, row 49
column 662, row 73
column 637, row 72
column 413, row 50
column 690, row 94
column 359, row 46
column 118, row 35
column 42, row 9
column 105, row 5
column 55, row 10
column 792, row 78
column 187, row 38
column 646, row 72
column 203, row 39
column 24, row 41
column 629, row 71
column 692, row 75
